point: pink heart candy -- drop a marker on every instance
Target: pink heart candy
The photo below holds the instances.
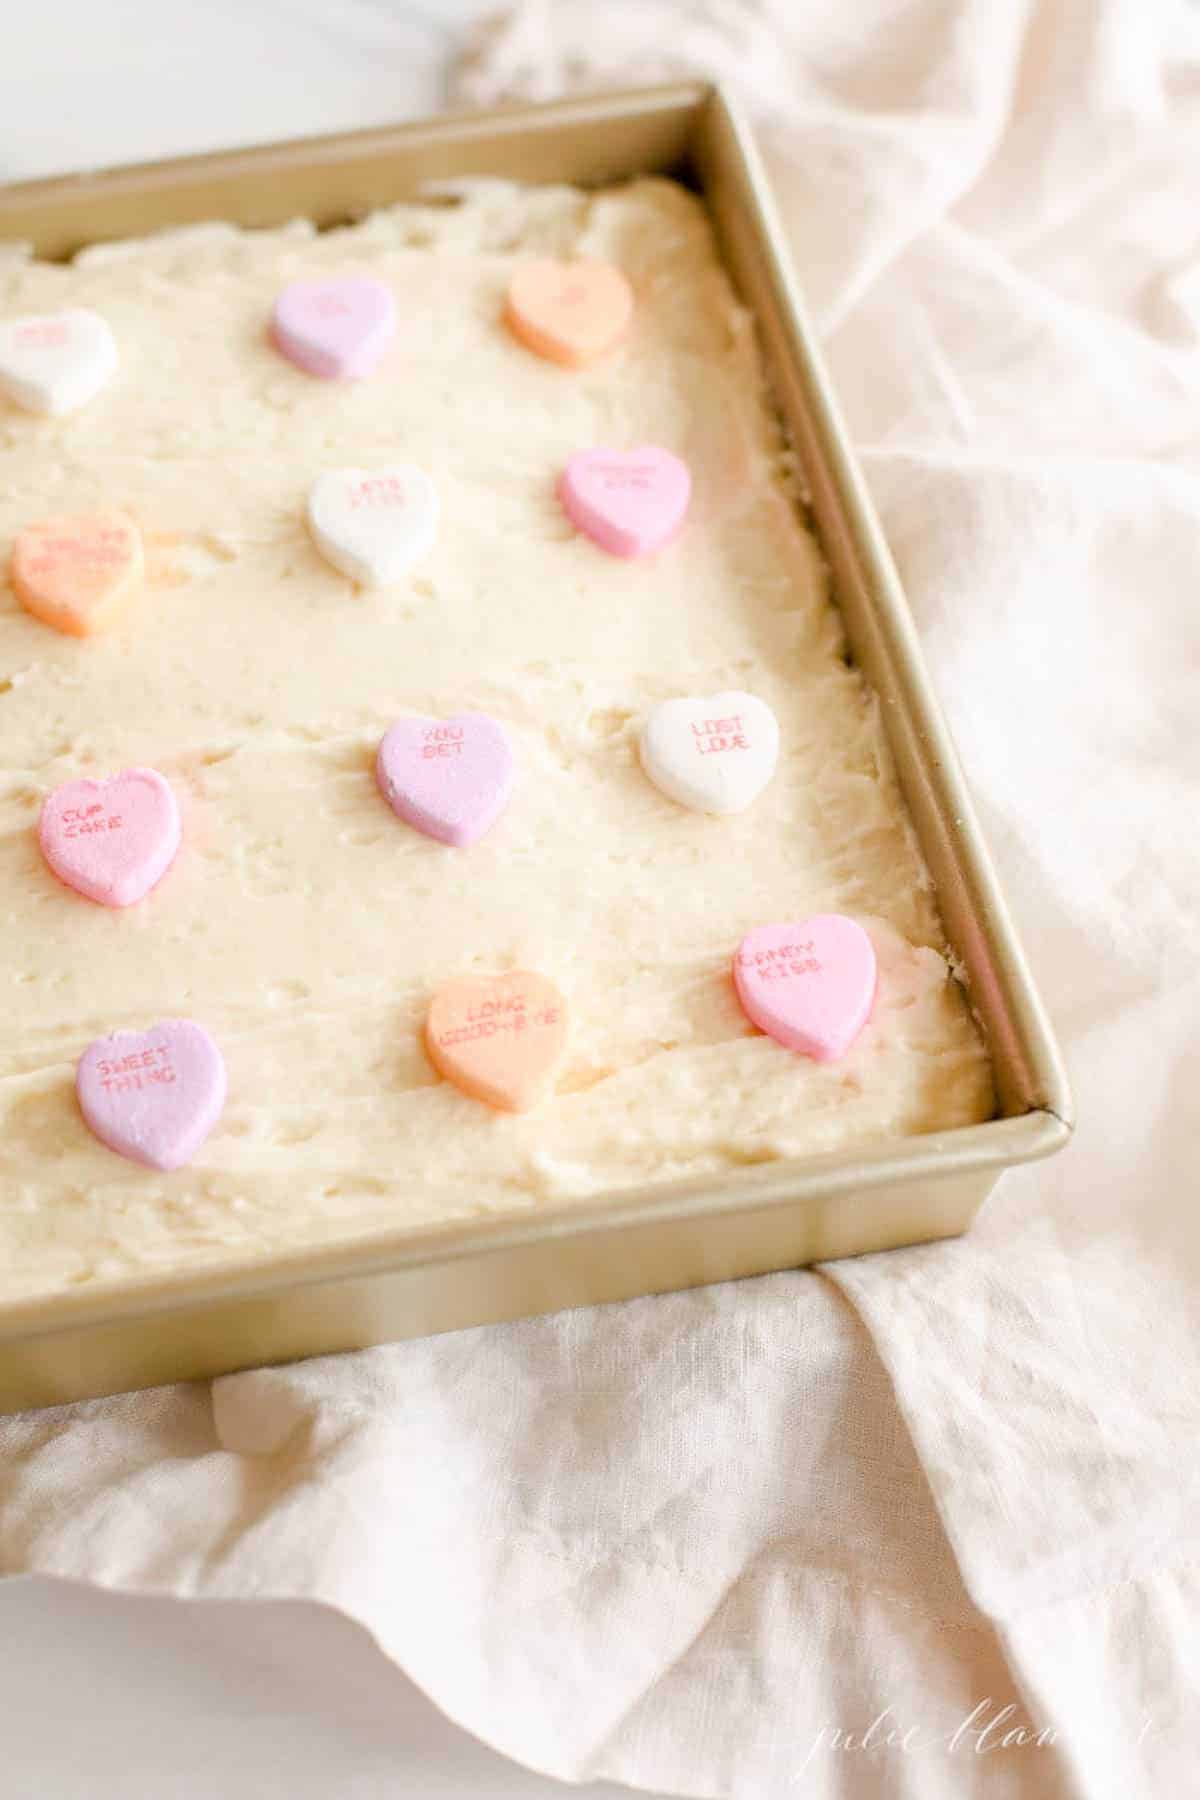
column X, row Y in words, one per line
column 810, row 985
column 631, row 502
column 338, row 329
column 451, row 778
column 111, row 840
column 155, row 1095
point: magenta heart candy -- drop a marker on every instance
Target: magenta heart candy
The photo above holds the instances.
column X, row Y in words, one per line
column 111, row 840
column 630, row 504
column 451, row 778
column 153, row 1096
column 338, row 329
column 810, row 985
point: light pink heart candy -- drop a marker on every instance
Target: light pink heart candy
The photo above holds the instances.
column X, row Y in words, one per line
column 629, row 502
column 155, row 1095
column 451, row 778
column 111, row 840
column 338, row 329
column 810, row 985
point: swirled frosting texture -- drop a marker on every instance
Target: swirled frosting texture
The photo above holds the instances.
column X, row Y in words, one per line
column 302, row 923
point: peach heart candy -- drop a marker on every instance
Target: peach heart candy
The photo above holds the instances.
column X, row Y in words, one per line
column 499, row 1038
column 630, row 504
column 715, row 754
column 152, row 1096
column 451, row 778
column 810, row 985
column 569, row 312
column 79, row 574
column 338, row 329
column 372, row 524
column 111, row 840
column 56, row 362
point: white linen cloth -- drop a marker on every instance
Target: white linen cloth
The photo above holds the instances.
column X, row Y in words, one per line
column 813, row 1534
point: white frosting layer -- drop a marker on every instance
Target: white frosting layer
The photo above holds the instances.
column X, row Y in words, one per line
column 303, row 924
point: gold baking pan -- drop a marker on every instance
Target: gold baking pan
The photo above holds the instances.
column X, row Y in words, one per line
column 406, row 1283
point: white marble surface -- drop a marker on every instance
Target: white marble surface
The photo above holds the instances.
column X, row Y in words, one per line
column 84, row 83
column 108, row 1697
column 115, row 1697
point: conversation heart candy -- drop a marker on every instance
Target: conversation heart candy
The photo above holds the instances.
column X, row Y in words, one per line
column 569, row 312
column 155, row 1095
column 56, row 362
column 451, row 778
column 337, row 328
column 79, row 574
column 629, row 503
column 499, row 1038
column 810, row 985
column 373, row 524
column 715, row 754
column 111, row 840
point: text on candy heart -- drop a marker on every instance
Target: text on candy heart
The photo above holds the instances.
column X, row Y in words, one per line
column 781, row 961
column 328, row 306
column 143, row 1069
column 377, row 490
column 103, row 548
column 80, row 820
column 42, row 334
column 442, row 740
column 713, row 736
column 492, row 1018
column 623, row 477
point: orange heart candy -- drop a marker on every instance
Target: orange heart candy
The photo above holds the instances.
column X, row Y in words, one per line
column 79, row 574
column 570, row 312
column 499, row 1038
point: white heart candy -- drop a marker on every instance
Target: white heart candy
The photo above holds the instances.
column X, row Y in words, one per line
column 714, row 753
column 55, row 362
column 373, row 524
